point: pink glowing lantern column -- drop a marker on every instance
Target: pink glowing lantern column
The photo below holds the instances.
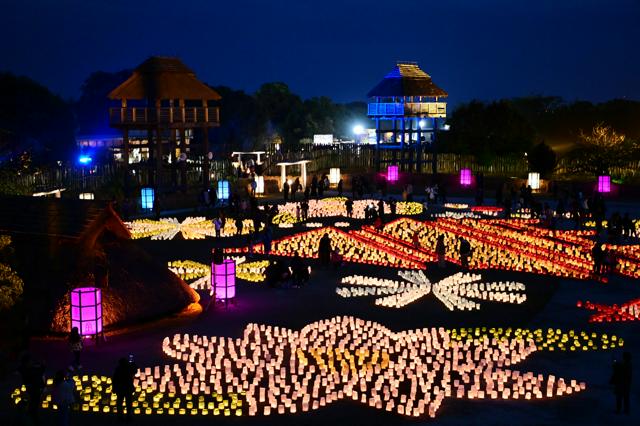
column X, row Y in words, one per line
column 465, row 177
column 392, row 173
column 223, row 279
column 604, row 184
column 86, row 310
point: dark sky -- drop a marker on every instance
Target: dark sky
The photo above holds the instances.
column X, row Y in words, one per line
column 483, row 49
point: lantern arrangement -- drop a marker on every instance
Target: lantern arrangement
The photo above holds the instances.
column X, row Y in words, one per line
column 86, row 310
column 147, row 196
column 534, row 180
column 259, row 184
column 629, row 311
column 223, row 279
column 465, row 177
column 392, row 173
column 223, row 191
column 604, row 184
column 334, row 175
column 87, row 196
column 342, row 358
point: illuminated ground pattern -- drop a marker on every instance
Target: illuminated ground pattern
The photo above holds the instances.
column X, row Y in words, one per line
column 514, row 245
column 198, row 275
column 191, row 228
column 273, row 370
column 629, row 311
column 455, row 292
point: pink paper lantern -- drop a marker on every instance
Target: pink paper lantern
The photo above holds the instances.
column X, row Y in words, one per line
column 465, row 177
column 392, row 173
column 223, row 279
column 604, row 183
column 86, row 310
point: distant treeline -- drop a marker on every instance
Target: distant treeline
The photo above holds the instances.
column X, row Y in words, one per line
column 34, row 120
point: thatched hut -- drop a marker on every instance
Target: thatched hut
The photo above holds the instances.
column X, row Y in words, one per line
column 62, row 244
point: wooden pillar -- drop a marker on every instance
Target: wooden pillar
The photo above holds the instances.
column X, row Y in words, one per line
column 151, row 156
column 205, row 163
column 158, row 146
column 377, row 144
column 434, row 164
column 419, row 148
column 125, row 158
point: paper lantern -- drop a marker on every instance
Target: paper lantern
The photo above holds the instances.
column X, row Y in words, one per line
column 465, row 177
column 223, row 190
column 334, row 175
column 604, row 184
column 534, row 180
column 223, row 279
column 259, row 184
column 392, row 173
column 87, row 196
column 86, row 310
column 147, row 195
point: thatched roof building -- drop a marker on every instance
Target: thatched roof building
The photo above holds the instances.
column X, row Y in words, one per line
column 406, row 79
column 160, row 78
column 61, row 244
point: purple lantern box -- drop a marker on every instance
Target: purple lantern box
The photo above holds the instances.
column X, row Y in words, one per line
column 86, row 310
column 223, row 279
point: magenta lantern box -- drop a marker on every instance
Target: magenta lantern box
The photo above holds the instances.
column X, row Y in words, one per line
column 392, row 173
column 223, row 279
column 86, row 310
column 465, row 177
column 604, row 183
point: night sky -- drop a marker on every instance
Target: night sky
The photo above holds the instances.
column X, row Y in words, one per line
column 474, row 49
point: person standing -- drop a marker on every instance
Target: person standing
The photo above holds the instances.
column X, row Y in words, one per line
column 295, row 188
column 267, row 238
column 340, row 188
column 314, row 186
column 305, row 210
column 122, row 383
column 239, row 224
column 441, row 251
column 621, row 381
column 75, row 343
column 217, row 224
column 324, row 250
column 465, row 252
column 285, row 190
column 63, row 396
column 321, row 187
column 254, row 186
column 348, row 204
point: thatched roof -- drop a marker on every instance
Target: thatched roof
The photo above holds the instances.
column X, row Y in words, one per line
column 407, row 79
column 58, row 218
column 160, row 78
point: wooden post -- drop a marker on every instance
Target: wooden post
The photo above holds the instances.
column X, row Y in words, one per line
column 205, row 164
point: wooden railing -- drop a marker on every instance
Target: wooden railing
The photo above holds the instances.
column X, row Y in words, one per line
column 164, row 116
column 386, row 109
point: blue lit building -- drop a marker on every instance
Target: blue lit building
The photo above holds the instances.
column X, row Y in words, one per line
column 408, row 110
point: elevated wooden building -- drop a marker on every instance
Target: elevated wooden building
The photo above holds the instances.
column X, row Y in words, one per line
column 408, row 109
column 165, row 99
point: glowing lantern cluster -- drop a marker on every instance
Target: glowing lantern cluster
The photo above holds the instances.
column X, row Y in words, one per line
column 392, row 173
column 198, row 275
column 342, row 224
column 465, row 177
column 487, row 210
column 629, row 311
column 191, row 228
column 354, row 247
column 86, row 310
column 313, row 225
column 455, row 291
column 275, row 370
column 456, row 206
column 335, row 206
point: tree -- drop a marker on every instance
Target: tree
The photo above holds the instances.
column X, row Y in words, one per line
column 601, row 150
column 11, row 285
column 92, row 109
column 34, row 120
column 542, row 159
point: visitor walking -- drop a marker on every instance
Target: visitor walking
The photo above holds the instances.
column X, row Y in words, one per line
column 441, row 251
column 465, row 252
column 324, row 250
column 122, row 383
column 621, row 381
column 63, row 395
column 75, row 343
